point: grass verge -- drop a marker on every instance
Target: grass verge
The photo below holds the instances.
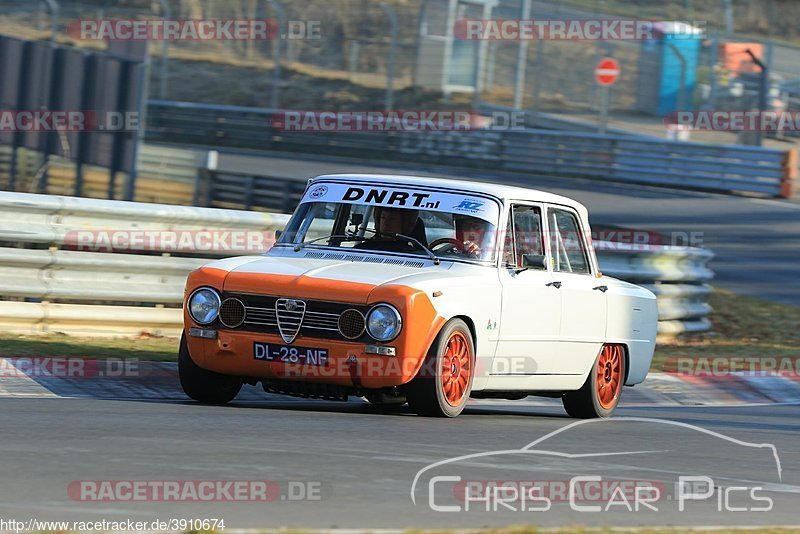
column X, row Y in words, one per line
column 62, row 346
column 742, row 327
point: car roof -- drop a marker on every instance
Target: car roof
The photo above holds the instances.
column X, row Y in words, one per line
column 501, row 191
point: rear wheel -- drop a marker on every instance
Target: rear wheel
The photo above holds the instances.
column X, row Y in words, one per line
column 601, row 392
column 202, row 385
column 442, row 387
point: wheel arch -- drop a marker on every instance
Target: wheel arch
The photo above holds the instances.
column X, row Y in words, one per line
column 627, row 358
column 625, row 354
column 470, row 324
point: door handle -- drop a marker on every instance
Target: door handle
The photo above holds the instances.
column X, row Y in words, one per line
column 601, row 288
column 556, row 285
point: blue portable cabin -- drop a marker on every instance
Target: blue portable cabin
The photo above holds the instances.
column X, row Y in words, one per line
column 659, row 70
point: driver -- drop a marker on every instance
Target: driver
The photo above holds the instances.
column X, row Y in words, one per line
column 388, row 222
column 470, row 231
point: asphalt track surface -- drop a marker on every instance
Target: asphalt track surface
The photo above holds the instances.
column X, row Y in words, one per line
column 364, row 462
column 756, row 240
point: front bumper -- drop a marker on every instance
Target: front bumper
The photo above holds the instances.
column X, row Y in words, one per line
column 348, row 363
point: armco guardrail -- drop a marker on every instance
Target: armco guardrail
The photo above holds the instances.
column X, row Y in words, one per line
column 102, row 293
column 730, row 168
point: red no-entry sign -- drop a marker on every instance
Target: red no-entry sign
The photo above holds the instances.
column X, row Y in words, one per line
column 607, row 71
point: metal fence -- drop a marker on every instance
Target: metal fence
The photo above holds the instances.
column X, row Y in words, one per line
column 359, row 50
column 167, row 175
column 246, row 191
column 46, row 287
column 604, row 157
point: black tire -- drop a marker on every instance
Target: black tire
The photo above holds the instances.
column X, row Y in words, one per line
column 586, row 403
column 426, row 392
column 202, row 385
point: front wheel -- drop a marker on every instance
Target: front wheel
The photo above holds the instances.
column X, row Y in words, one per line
column 601, row 392
column 451, row 361
column 202, row 385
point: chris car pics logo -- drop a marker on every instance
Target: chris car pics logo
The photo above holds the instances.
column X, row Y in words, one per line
column 318, row 192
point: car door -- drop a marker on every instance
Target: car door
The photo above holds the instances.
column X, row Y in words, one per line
column 583, row 300
column 531, row 304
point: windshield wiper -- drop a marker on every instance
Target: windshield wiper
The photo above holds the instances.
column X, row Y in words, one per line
column 343, row 237
column 428, row 252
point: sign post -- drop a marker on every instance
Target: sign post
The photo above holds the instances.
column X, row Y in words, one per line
column 606, row 74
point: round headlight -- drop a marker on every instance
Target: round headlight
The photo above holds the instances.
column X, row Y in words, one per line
column 384, row 322
column 204, row 305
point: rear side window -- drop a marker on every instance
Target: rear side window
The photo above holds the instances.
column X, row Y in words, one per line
column 567, row 243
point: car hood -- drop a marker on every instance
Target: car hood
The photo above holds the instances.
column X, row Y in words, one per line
column 315, row 278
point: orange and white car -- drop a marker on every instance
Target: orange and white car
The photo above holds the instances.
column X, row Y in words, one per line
column 420, row 290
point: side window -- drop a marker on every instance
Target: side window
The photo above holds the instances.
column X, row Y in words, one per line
column 526, row 224
column 568, row 244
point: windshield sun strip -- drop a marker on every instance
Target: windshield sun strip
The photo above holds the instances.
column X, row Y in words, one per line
column 421, row 187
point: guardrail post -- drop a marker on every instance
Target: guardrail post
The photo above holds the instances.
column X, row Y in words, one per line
column 789, row 179
column 203, row 178
column 249, row 187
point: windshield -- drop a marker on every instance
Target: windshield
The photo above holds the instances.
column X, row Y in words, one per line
column 451, row 225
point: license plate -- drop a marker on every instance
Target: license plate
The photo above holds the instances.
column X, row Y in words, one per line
column 271, row 352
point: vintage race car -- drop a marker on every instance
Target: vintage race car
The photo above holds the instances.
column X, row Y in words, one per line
column 420, row 290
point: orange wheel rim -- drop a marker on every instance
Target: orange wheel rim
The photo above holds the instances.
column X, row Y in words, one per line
column 456, row 368
column 609, row 376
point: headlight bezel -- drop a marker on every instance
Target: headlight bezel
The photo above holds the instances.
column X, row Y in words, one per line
column 398, row 320
column 217, row 299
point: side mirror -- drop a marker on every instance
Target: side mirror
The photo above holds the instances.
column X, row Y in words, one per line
column 278, row 234
column 534, row 261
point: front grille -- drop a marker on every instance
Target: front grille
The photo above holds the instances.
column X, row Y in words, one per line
column 320, row 319
column 232, row 312
column 289, row 314
column 352, row 324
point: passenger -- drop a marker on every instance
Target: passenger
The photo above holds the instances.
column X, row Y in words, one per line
column 388, row 222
